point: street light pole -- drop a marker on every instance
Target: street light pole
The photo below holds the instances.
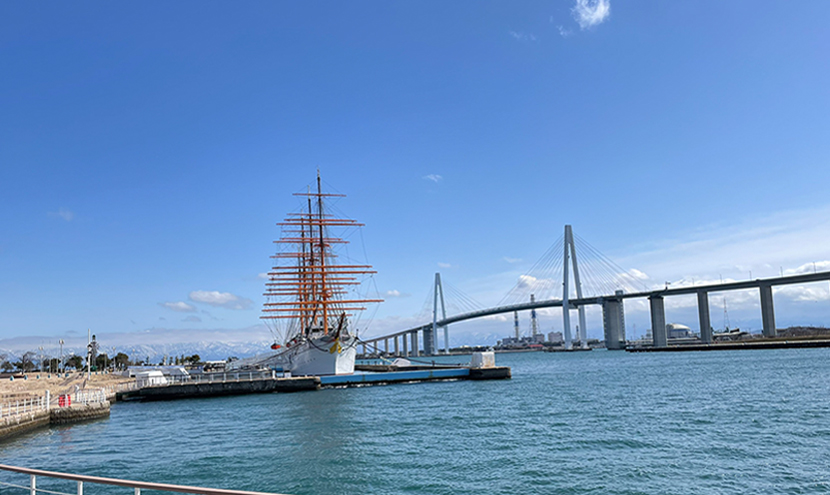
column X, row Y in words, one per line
column 61, row 367
column 88, row 355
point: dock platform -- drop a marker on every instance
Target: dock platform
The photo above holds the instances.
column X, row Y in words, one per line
column 735, row 346
column 419, row 374
column 381, row 375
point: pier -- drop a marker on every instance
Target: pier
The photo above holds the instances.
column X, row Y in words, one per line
column 736, row 346
column 243, row 383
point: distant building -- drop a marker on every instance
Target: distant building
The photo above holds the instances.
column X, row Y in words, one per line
column 555, row 337
column 678, row 331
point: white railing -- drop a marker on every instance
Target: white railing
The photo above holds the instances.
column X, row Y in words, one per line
column 125, row 386
column 24, row 406
column 90, row 396
column 236, row 376
column 137, row 486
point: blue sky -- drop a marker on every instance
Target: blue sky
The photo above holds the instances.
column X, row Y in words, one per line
column 147, row 150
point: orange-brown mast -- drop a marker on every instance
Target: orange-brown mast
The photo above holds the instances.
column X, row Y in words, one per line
column 309, row 286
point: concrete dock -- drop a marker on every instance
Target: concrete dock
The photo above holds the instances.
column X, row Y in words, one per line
column 365, row 375
column 256, row 385
column 419, row 374
column 735, row 346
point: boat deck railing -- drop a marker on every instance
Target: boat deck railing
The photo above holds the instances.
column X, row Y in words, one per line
column 81, row 480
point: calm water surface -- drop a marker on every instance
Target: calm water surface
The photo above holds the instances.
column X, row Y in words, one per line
column 593, row 422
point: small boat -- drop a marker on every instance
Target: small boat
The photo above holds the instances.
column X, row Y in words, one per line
column 307, row 297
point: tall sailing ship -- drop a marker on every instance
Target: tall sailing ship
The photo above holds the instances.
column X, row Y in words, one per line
column 308, row 301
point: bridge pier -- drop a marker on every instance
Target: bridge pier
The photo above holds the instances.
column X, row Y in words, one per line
column 414, row 340
column 446, row 339
column 658, row 321
column 395, row 342
column 613, row 323
column 405, row 345
column 703, row 316
column 386, row 346
column 767, row 310
column 429, row 341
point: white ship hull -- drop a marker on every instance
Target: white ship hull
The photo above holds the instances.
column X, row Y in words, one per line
column 316, row 357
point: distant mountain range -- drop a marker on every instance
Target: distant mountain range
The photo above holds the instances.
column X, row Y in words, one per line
column 210, row 351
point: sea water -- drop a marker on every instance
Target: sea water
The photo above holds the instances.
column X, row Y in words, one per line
column 587, row 422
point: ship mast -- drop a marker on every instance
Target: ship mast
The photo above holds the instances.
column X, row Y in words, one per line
column 306, row 284
column 324, row 295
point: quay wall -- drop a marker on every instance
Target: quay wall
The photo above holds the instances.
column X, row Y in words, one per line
column 79, row 412
column 736, row 346
column 20, row 423
column 218, row 389
column 11, row 425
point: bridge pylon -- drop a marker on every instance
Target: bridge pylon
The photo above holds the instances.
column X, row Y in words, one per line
column 570, row 256
column 430, row 333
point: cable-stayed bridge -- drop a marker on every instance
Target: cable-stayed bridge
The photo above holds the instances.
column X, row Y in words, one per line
column 555, row 281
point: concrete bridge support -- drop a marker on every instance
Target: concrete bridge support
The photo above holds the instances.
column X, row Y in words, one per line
column 429, row 341
column 386, row 346
column 446, row 339
column 767, row 310
column 658, row 321
column 414, row 339
column 703, row 316
column 397, row 350
column 613, row 322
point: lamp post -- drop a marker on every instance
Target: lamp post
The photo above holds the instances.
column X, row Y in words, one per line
column 61, row 367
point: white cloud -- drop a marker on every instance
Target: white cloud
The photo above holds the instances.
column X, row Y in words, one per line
column 817, row 266
column 564, row 32
column 804, row 293
column 523, row 36
column 181, row 307
column 530, row 282
column 395, row 293
column 786, row 241
column 220, row 299
column 263, row 275
column 589, row 13
column 63, row 213
column 444, row 265
column 193, row 319
column 433, row 177
column 511, row 260
column 499, row 317
column 638, row 274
